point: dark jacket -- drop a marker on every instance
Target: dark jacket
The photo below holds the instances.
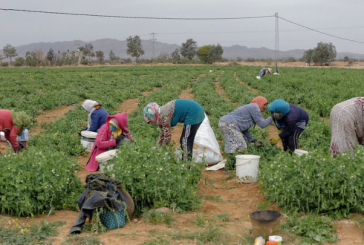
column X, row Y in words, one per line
column 98, row 118
column 290, row 121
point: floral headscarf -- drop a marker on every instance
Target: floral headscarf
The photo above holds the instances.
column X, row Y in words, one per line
column 151, row 111
column 260, row 101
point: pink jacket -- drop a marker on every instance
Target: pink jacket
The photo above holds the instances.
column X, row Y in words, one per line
column 103, row 142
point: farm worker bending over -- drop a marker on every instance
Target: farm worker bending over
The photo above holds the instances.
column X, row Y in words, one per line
column 265, row 71
column 347, row 125
column 110, row 136
column 184, row 111
column 291, row 120
column 237, row 123
column 96, row 115
column 12, row 124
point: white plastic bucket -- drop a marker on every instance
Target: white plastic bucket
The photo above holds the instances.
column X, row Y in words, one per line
column 300, row 152
column 258, row 77
column 247, row 168
column 103, row 159
column 88, row 139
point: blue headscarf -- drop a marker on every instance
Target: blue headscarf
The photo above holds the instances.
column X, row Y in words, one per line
column 279, row 105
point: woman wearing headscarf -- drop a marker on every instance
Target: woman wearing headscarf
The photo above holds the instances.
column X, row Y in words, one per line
column 12, row 125
column 96, row 115
column 347, row 125
column 184, row 111
column 291, row 120
column 235, row 125
column 110, row 136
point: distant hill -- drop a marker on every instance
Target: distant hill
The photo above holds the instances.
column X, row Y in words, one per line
column 119, row 48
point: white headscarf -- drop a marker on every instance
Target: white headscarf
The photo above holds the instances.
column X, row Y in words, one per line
column 88, row 105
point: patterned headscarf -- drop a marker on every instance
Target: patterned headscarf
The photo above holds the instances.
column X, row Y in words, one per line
column 260, row 101
column 151, row 111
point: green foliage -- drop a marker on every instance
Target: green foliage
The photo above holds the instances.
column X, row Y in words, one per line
column 155, row 217
column 82, row 240
column 324, row 53
column 317, row 183
column 135, row 48
column 19, row 61
column 37, row 181
column 202, row 53
column 100, row 56
column 215, row 53
column 311, row 229
column 29, row 234
column 9, row 52
column 189, row 49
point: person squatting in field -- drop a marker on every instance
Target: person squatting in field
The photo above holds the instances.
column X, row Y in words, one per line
column 110, row 136
column 235, row 125
column 184, row 111
column 96, row 115
column 265, row 71
column 347, row 125
column 12, row 125
column 291, row 120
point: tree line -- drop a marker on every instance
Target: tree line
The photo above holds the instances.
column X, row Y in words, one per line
column 323, row 54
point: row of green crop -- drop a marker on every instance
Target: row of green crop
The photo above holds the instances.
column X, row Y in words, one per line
column 47, row 164
column 317, row 89
column 317, row 183
column 156, row 177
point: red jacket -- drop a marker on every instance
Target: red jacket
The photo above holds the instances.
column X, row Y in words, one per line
column 7, row 126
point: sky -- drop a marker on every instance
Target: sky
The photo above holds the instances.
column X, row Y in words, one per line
column 343, row 18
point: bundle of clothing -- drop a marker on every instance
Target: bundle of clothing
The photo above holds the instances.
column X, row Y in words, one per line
column 101, row 191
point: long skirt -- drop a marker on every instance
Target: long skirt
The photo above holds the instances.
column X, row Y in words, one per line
column 234, row 139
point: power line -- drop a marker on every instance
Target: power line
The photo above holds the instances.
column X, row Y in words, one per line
column 171, row 18
column 133, row 17
column 347, row 39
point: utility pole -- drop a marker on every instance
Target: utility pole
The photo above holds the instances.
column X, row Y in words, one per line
column 153, row 39
column 276, row 53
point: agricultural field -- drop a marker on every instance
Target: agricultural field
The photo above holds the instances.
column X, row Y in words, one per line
column 321, row 197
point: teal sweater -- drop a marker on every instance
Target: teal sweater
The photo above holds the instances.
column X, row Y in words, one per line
column 188, row 112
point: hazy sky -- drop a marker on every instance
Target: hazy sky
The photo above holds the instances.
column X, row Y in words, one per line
column 342, row 18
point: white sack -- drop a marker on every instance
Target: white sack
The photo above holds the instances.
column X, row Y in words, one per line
column 205, row 137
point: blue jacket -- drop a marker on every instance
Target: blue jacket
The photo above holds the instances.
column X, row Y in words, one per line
column 98, row 118
column 291, row 122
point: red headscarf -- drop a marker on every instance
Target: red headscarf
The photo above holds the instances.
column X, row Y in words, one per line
column 260, row 101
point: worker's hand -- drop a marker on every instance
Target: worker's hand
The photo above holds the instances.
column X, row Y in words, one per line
column 275, row 140
column 17, row 149
column 258, row 143
column 277, row 115
column 281, row 131
column 118, row 138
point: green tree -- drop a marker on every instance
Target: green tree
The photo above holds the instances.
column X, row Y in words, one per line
column 31, row 59
column 50, row 55
column 9, row 52
column 100, row 56
column 175, row 57
column 19, row 61
column 202, row 53
column 163, row 57
column 307, row 56
column 215, row 53
column 189, row 49
column 112, row 56
column 324, row 53
column 88, row 50
column 135, row 48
